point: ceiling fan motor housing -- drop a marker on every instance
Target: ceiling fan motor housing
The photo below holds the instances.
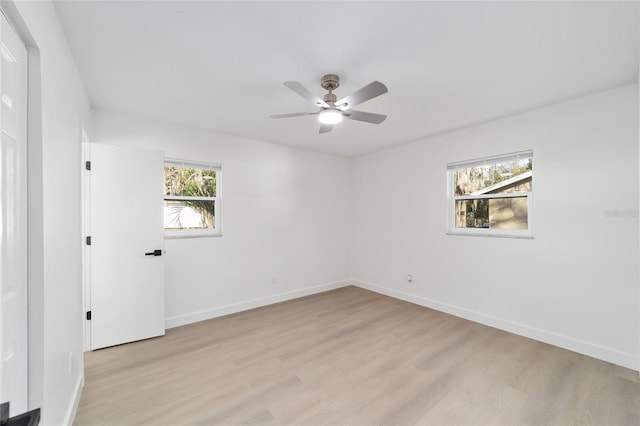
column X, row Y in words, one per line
column 330, row 82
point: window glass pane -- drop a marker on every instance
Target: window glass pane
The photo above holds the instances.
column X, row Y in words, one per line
column 493, row 213
column 472, row 213
column 509, row 213
column 499, row 178
column 188, row 181
column 189, row 214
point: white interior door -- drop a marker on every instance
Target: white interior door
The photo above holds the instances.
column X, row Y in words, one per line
column 13, row 219
column 126, row 266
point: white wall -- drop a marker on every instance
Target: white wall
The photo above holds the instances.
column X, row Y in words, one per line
column 58, row 108
column 574, row 285
column 284, row 214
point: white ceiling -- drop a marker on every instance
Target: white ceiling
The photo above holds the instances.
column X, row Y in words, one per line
column 220, row 65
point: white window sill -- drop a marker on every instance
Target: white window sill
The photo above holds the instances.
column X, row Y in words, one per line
column 491, row 235
column 175, row 235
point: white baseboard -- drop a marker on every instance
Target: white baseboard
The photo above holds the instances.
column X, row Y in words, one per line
column 591, row 349
column 75, row 402
column 251, row 304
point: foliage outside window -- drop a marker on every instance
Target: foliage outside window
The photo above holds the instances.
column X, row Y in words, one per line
column 491, row 196
column 191, row 198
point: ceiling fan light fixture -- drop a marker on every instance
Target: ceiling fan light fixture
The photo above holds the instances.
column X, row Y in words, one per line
column 330, row 116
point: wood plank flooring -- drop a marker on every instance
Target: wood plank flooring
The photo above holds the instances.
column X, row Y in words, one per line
column 351, row 357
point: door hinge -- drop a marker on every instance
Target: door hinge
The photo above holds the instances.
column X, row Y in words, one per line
column 88, row 315
column 88, row 241
column 87, row 165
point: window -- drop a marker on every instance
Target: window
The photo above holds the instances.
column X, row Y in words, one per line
column 191, row 198
column 491, row 196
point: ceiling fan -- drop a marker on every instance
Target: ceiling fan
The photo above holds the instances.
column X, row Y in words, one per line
column 332, row 111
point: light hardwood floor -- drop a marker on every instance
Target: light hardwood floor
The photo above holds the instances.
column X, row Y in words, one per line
column 351, row 357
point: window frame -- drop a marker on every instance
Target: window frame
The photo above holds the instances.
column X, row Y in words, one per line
column 487, row 232
column 197, row 233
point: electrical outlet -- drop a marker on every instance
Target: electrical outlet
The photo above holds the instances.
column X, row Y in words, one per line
column 273, row 280
column 409, row 277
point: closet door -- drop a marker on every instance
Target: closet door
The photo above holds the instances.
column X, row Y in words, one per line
column 13, row 219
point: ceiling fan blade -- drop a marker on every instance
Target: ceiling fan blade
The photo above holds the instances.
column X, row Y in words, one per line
column 369, row 91
column 367, row 117
column 325, row 128
column 293, row 114
column 305, row 93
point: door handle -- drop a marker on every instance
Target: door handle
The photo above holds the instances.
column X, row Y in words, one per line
column 154, row 253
